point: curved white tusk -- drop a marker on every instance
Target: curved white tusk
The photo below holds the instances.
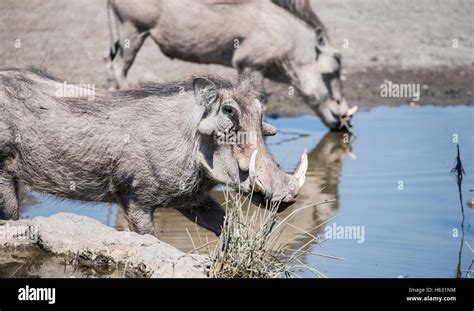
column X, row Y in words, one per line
column 258, row 186
column 253, row 165
column 352, row 156
column 300, row 172
column 351, row 111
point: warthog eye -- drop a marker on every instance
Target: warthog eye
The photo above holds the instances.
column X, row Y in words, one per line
column 230, row 111
column 319, row 37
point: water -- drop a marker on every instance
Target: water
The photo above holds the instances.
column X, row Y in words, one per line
column 399, row 190
column 409, row 232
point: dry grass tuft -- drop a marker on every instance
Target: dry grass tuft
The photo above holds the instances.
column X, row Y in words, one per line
column 249, row 247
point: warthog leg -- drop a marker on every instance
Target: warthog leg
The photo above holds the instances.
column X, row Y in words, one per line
column 9, row 208
column 122, row 54
column 139, row 218
column 209, row 214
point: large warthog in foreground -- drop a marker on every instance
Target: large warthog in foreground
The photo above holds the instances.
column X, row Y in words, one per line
column 281, row 40
column 160, row 145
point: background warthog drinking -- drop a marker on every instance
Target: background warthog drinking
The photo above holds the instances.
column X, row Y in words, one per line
column 283, row 41
column 154, row 146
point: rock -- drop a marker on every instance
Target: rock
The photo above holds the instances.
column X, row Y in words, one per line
column 87, row 239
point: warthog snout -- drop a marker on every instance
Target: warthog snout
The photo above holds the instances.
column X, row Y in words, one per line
column 338, row 115
column 272, row 186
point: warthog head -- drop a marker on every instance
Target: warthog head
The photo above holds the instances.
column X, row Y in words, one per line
column 314, row 67
column 317, row 76
column 233, row 148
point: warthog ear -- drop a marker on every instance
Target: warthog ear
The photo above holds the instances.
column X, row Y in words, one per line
column 268, row 129
column 205, row 91
column 251, row 79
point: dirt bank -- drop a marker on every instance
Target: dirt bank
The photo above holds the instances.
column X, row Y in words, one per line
column 82, row 241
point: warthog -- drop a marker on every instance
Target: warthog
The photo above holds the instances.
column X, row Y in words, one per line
column 283, row 41
column 159, row 145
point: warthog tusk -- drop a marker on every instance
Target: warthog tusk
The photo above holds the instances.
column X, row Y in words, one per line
column 300, row 172
column 352, row 156
column 253, row 165
column 253, row 173
column 351, row 111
